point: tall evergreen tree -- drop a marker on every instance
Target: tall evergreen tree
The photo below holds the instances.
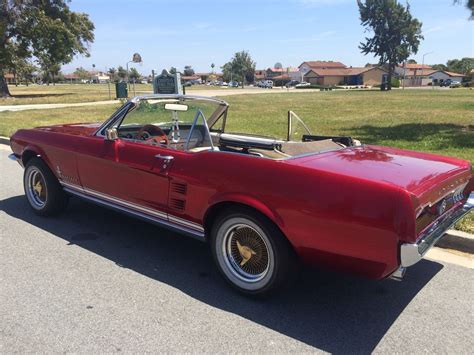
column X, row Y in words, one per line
column 396, row 33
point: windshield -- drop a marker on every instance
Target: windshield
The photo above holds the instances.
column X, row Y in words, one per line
column 176, row 122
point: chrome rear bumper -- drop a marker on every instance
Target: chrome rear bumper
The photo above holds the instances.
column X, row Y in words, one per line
column 412, row 253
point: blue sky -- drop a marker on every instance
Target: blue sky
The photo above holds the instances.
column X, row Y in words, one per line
column 177, row 32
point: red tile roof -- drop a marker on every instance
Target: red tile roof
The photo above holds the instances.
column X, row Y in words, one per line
column 450, row 73
column 71, row 76
column 324, row 64
column 416, row 66
column 419, row 72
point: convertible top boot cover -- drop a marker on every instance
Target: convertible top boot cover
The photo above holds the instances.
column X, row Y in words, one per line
column 299, row 148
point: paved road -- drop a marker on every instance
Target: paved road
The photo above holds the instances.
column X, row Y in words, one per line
column 206, row 93
column 96, row 281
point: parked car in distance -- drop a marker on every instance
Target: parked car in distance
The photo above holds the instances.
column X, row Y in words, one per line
column 445, row 83
column 302, row 84
column 234, row 84
column 292, row 83
column 265, row 84
column 455, row 84
column 262, row 204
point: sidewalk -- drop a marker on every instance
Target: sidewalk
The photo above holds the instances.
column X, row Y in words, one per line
column 50, row 106
column 206, row 93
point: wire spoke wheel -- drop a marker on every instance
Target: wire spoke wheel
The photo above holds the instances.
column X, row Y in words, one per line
column 36, row 188
column 246, row 253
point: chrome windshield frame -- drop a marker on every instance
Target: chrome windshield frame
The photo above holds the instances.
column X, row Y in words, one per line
column 221, row 108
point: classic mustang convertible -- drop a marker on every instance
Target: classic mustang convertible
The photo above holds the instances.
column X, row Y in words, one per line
column 262, row 204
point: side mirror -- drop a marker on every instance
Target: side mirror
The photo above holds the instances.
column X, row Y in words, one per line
column 111, row 134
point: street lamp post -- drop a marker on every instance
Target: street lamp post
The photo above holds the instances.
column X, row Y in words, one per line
column 423, row 65
column 137, row 58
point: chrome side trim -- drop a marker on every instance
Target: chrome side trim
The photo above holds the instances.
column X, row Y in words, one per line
column 412, row 253
column 161, row 218
column 186, row 223
column 124, row 203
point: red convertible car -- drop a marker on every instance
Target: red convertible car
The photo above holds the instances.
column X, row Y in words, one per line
column 262, row 204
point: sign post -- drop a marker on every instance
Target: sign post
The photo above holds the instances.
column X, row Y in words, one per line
column 167, row 83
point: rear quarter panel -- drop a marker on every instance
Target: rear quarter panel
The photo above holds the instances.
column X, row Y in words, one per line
column 343, row 223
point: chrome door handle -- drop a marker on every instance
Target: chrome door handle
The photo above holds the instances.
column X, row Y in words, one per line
column 166, row 158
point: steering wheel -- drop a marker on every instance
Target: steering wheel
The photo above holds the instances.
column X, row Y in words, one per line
column 152, row 133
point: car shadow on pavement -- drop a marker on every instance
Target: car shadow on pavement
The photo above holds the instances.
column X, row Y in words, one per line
column 332, row 312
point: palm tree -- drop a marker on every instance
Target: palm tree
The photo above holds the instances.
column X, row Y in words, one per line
column 212, row 67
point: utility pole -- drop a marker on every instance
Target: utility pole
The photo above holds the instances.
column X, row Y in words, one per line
column 423, row 66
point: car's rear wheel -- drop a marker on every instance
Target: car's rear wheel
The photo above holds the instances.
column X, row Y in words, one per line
column 42, row 189
column 251, row 252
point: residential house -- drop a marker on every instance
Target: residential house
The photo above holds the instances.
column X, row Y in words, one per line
column 424, row 75
column 10, row 78
column 72, row 78
column 305, row 67
column 99, row 77
column 187, row 78
column 284, row 74
column 367, row 76
column 413, row 74
column 260, row 74
column 439, row 76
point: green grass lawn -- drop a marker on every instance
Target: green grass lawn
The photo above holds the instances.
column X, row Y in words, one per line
column 438, row 121
column 71, row 93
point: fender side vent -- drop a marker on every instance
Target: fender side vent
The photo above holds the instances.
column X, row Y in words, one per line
column 179, row 188
column 177, row 204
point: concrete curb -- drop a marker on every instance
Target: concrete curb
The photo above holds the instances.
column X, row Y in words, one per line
column 453, row 239
column 457, row 240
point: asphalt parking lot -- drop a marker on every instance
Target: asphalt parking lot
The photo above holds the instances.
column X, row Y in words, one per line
column 93, row 280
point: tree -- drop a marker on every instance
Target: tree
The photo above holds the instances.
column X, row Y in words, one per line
column 82, row 73
column 396, row 33
column 112, row 74
column 134, row 75
column 172, row 70
column 50, row 72
column 278, row 65
column 121, row 72
column 412, row 61
column 469, row 6
column 439, row 67
column 212, row 67
column 188, row 70
column 25, row 70
column 241, row 67
column 464, row 65
column 47, row 30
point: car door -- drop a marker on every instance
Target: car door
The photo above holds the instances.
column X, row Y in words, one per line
column 126, row 173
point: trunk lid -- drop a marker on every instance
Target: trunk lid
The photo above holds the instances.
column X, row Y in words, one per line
column 428, row 177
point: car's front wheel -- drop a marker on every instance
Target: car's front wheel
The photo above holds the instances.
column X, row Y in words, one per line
column 42, row 189
column 251, row 252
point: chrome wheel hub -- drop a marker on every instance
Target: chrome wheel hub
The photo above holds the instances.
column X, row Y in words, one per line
column 246, row 253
